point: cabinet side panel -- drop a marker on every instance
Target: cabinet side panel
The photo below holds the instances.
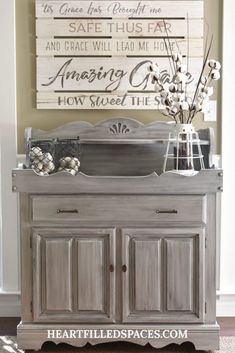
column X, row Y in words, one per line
column 26, row 259
column 180, row 274
column 58, row 281
column 91, row 265
column 147, row 276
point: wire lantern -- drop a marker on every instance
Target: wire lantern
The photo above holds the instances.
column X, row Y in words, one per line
column 183, row 149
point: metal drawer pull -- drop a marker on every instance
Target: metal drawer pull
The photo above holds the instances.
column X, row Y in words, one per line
column 66, row 211
column 166, row 211
column 111, row 268
column 124, row 268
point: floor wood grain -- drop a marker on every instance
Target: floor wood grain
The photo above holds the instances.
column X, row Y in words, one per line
column 227, row 326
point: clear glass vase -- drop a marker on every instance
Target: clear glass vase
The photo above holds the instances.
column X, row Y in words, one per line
column 183, row 148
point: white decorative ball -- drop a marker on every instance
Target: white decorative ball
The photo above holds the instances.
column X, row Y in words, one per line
column 68, row 159
column 72, row 163
column 46, row 158
column 77, row 161
column 38, row 171
column 38, row 165
column 72, row 171
column 63, row 162
column 51, row 166
column 35, row 152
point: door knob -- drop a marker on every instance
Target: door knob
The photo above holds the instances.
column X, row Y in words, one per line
column 111, row 268
column 124, row 268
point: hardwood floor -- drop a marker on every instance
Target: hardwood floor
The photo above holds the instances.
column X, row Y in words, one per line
column 227, row 326
column 8, row 326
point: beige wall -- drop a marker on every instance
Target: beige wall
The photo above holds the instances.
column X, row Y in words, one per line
column 28, row 115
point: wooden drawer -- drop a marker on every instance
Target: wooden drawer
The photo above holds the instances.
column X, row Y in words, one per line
column 175, row 208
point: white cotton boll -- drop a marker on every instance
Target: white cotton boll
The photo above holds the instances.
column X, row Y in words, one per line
column 174, row 56
column 217, row 65
column 166, row 101
column 173, row 110
column 177, row 57
column 154, row 68
column 158, row 88
column 173, row 88
column 180, row 97
column 215, row 75
column 156, row 75
column 184, row 106
column 174, row 98
column 202, row 95
column 180, row 78
column 180, row 57
column 182, row 68
column 163, row 101
column 164, row 94
column 210, row 91
column 166, row 88
column 154, row 80
column 211, row 63
column 198, row 107
column 176, row 106
column 203, row 80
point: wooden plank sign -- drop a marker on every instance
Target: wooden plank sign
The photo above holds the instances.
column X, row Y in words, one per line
column 96, row 54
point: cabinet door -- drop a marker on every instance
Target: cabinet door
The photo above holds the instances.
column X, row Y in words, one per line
column 73, row 275
column 163, row 275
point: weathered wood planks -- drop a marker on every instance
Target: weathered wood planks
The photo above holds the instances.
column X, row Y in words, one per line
column 87, row 48
column 126, row 27
column 119, row 9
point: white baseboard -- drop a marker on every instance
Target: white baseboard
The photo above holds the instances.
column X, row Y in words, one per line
column 10, row 304
column 225, row 305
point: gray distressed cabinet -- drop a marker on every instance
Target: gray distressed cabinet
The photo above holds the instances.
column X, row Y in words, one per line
column 119, row 246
